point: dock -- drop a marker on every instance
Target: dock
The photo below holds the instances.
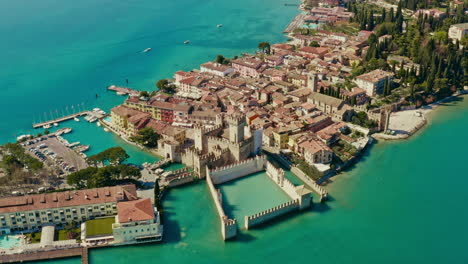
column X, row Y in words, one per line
column 68, row 117
column 123, row 90
column 297, row 22
column 47, row 255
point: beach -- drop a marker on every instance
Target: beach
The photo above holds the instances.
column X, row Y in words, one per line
column 404, row 124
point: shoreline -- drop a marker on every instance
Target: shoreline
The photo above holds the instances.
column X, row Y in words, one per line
column 407, row 130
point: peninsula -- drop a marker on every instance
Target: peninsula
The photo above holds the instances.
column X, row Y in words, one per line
column 349, row 73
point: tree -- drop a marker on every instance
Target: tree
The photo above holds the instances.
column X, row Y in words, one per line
column 157, row 193
column 161, row 84
column 164, row 86
column 264, row 47
column 147, row 137
column 314, row 44
column 47, row 132
column 93, row 177
column 114, row 155
column 219, row 59
column 144, row 94
column 80, row 178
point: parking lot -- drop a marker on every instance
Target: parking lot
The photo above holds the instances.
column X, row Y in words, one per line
column 55, row 154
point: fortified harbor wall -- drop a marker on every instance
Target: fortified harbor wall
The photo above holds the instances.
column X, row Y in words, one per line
column 228, row 226
column 300, row 198
column 311, row 183
column 180, row 177
column 235, row 171
column 269, row 214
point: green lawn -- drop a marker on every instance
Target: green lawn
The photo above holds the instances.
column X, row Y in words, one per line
column 62, row 234
column 35, row 237
column 99, row 226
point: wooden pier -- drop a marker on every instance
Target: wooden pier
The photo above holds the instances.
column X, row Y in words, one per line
column 61, row 119
column 47, row 255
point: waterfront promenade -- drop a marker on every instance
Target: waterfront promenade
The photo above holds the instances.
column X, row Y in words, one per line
column 47, row 255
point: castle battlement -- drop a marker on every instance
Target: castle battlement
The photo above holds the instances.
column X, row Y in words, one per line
column 219, row 141
column 209, row 130
column 293, row 203
column 235, row 118
column 217, row 169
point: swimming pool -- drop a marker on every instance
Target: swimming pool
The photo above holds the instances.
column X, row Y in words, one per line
column 108, row 119
column 7, row 242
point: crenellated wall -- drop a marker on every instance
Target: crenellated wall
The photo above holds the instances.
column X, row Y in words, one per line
column 264, row 216
column 311, row 183
column 295, row 192
column 180, row 177
column 227, row 173
column 228, row 226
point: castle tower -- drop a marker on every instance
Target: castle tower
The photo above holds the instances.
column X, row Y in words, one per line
column 219, row 119
column 312, row 82
column 198, row 137
column 236, row 128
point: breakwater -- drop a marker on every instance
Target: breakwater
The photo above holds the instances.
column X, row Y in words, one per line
column 228, row 226
column 299, row 195
column 311, row 183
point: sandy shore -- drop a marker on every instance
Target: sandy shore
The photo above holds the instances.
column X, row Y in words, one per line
column 407, row 123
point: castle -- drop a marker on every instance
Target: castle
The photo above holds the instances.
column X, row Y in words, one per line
column 227, row 142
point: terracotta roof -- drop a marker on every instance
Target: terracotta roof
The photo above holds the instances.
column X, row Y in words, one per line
column 67, row 199
column 125, row 111
column 375, row 76
column 139, row 210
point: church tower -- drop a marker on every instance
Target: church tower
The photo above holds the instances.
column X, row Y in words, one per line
column 312, row 81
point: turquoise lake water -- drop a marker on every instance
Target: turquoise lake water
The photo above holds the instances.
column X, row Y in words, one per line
column 404, row 203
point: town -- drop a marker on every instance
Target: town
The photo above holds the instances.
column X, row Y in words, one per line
column 348, row 74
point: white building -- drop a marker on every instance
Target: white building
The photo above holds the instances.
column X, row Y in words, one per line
column 373, row 82
column 137, row 222
column 216, row 69
column 458, row 31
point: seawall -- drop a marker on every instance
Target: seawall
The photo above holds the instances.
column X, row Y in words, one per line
column 238, row 170
column 311, row 183
column 228, row 226
column 269, row 214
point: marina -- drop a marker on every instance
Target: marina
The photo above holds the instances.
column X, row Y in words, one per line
column 75, row 116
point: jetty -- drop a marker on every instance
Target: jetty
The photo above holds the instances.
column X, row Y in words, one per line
column 123, row 90
column 297, row 21
column 68, row 117
column 46, row 255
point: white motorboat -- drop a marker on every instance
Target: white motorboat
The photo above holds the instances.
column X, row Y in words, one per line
column 187, row 42
column 219, row 25
column 98, row 124
column 146, row 50
column 55, row 124
column 106, row 129
column 46, row 126
column 76, row 119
